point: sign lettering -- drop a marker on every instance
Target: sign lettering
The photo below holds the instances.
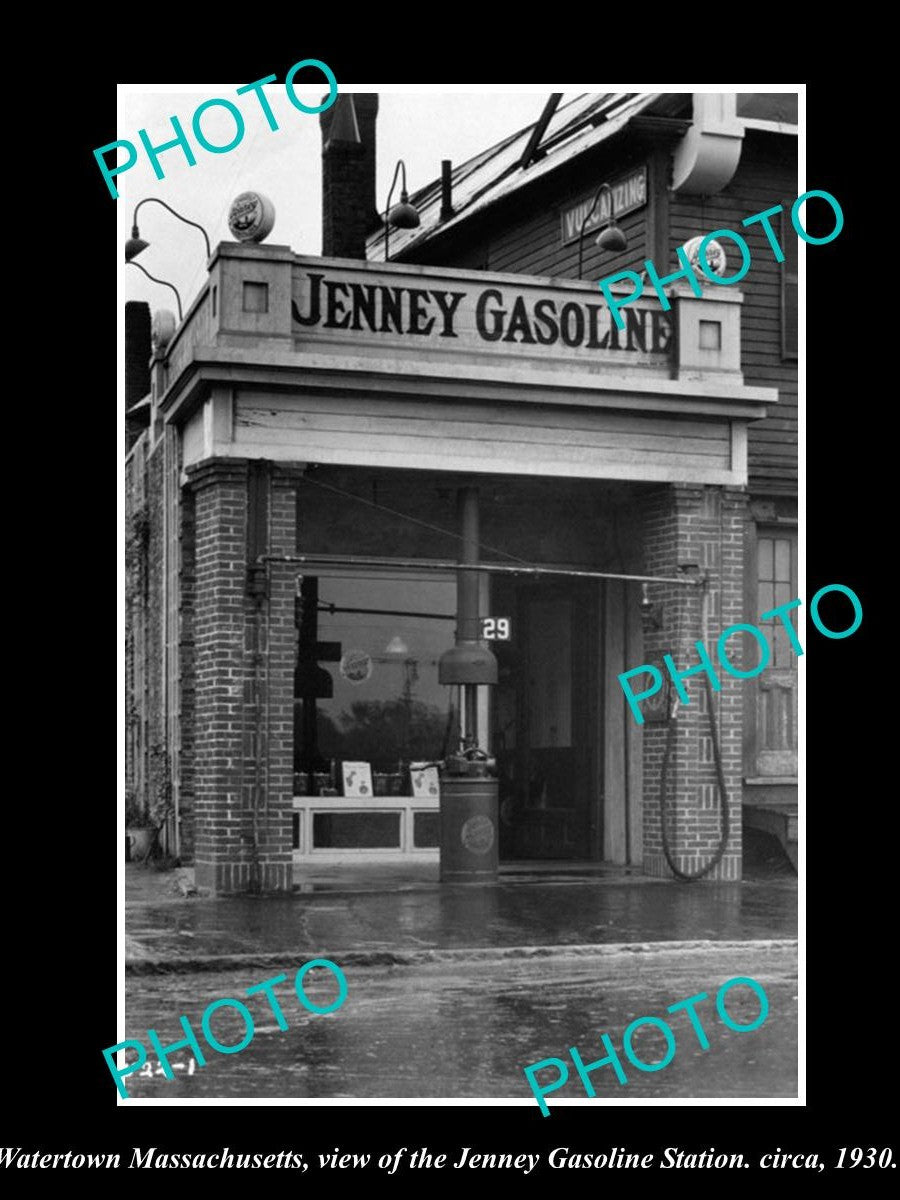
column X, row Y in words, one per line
column 628, row 194
column 453, row 313
column 495, row 629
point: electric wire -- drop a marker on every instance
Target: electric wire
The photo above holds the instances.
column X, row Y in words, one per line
column 412, row 520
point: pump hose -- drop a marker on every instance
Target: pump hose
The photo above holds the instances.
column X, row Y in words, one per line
column 724, row 818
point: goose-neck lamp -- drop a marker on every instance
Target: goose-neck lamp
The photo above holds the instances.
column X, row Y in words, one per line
column 136, row 243
column 611, row 238
column 403, row 215
column 164, row 282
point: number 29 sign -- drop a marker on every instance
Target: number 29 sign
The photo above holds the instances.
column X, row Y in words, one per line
column 495, row 629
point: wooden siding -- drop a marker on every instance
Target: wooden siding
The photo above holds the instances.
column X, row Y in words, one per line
column 766, row 176
column 523, row 234
column 539, row 439
column 533, row 245
column 526, row 237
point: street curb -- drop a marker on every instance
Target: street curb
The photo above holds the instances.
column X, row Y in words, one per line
column 415, row 958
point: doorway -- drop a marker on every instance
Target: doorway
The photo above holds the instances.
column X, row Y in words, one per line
column 545, row 719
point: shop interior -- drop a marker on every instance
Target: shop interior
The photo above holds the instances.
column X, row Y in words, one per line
column 371, row 717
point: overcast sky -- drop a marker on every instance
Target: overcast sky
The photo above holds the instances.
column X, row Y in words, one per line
column 285, row 164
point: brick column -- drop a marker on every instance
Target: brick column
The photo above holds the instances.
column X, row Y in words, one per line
column 187, row 725
column 243, row 680
column 701, row 530
column 280, row 649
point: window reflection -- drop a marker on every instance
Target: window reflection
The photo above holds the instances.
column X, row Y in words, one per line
column 366, row 685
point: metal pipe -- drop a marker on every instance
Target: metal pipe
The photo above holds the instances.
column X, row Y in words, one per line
column 467, row 597
column 169, row 208
column 444, row 564
column 324, row 606
column 164, row 282
column 446, row 189
column 470, row 699
column 401, row 166
column 467, row 580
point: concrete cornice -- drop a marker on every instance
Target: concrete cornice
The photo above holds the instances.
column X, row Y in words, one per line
column 422, row 376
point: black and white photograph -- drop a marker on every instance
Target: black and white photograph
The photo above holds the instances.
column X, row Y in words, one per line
column 404, row 489
column 500, row 578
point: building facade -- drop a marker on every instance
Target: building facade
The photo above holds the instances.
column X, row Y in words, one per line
column 307, row 449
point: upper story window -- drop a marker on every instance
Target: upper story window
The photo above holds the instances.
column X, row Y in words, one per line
column 769, row 106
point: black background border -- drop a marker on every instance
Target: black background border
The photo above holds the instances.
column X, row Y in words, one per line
column 62, row 980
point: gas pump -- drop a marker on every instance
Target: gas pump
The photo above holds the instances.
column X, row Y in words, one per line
column 469, row 784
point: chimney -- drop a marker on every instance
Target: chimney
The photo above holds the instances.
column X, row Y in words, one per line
column 349, row 206
column 137, row 366
column 137, row 351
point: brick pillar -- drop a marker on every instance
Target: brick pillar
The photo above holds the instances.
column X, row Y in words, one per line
column 243, row 678
column 701, row 530
column 187, row 725
column 280, row 648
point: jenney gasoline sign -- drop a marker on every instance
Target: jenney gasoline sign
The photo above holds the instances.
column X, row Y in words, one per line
column 373, row 306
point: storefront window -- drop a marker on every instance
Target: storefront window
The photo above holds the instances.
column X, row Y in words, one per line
column 366, row 685
column 776, row 687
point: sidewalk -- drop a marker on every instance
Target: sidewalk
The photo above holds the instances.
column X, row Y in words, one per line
column 390, row 915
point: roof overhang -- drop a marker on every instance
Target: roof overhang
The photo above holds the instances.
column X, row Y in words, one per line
column 293, row 357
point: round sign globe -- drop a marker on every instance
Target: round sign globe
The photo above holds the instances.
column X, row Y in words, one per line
column 163, row 328
column 251, row 217
column 715, row 256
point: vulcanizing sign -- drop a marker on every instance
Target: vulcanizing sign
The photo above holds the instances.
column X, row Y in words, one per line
column 627, row 195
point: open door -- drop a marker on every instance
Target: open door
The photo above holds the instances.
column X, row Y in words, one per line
column 545, row 720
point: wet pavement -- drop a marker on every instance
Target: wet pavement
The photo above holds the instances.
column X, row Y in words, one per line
column 467, row 1029
column 390, row 917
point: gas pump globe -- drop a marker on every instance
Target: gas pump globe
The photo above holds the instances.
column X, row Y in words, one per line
column 469, row 664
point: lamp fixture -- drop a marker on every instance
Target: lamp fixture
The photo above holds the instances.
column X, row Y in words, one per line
column 403, row 215
column 130, row 263
column 611, row 238
column 397, row 646
column 136, row 244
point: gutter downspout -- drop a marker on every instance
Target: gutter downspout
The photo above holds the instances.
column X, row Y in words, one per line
column 707, row 157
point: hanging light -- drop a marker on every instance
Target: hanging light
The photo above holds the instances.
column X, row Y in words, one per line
column 397, row 646
column 611, row 238
column 136, row 243
column 164, row 282
column 403, row 215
